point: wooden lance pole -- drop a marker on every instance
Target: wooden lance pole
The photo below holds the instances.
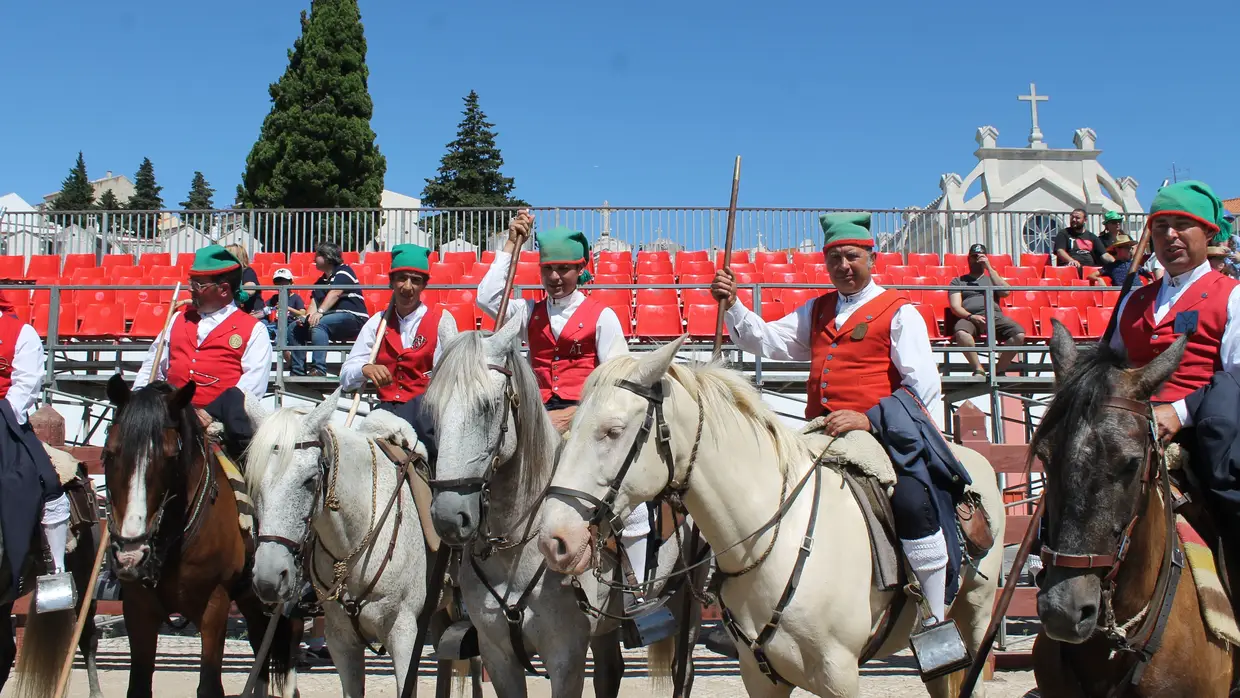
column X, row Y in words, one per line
column 512, row 274
column 1005, row 600
column 374, row 352
column 1133, row 272
column 727, row 255
column 88, row 594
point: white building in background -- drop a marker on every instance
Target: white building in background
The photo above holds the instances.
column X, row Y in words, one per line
column 1017, row 199
column 119, row 184
column 187, row 239
column 399, row 223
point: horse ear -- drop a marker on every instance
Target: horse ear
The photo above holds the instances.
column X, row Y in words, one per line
column 255, row 411
column 652, row 367
column 1156, row 372
column 322, row 413
column 118, row 390
column 507, row 335
column 447, row 330
column 182, row 398
column 1063, row 351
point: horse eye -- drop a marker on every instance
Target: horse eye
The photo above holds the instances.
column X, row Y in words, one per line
column 615, row 432
column 1133, row 465
column 309, row 483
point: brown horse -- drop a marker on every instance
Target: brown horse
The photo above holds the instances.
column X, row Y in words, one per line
column 176, row 542
column 1106, row 541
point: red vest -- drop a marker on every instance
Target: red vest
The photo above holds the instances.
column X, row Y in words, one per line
column 563, row 365
column 1144, row 339
column 10, row 329
column 410, row 367
column 215, row 365
column 851, row 368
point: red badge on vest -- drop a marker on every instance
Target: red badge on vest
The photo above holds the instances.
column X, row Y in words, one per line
column 418, row 342
column 575, row 349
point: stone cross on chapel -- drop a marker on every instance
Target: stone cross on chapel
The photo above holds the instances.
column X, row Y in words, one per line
column 1035, row 134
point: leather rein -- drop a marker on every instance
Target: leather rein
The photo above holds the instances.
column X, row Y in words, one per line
column 1145, row 640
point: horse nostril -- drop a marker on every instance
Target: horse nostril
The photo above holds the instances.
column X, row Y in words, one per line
column 561, row 548
column 464, row 520
column 1088, row 613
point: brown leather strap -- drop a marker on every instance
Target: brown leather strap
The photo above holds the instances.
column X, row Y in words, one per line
column 1137, row 407
column 1050, row 558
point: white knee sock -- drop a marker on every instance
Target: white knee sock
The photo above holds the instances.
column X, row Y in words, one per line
column 635, row 551
column 928, row 558
column 56, row 528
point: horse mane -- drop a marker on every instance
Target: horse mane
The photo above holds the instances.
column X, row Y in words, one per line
column 1079, row 396
column 726, row 396
column 142, row 422
column 462, row 372
column 277, row 436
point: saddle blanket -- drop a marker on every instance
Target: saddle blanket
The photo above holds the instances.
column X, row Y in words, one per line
column 236, row 479
column 1216, row 609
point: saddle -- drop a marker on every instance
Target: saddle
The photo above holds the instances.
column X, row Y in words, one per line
column 235, row 474
column 418, row 475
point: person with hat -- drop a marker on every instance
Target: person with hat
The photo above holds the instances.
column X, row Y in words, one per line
column 336, row 314
column 226, row 352
column 1199, row 404
column 1116, row 272
column 1112, row 228
column 871, row 369
column 409, row 347
column 296, row 305
column 970, row 308
column 30, row 491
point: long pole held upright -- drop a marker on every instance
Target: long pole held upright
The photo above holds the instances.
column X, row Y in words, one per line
column 1134, row 271
column 374, row 351
column 512, row 277
column 163, row 337
column 727, row 255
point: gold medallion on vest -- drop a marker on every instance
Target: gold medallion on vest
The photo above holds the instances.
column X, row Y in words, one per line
column 235, row 341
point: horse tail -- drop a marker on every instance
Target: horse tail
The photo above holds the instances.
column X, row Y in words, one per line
column 461, row 673
column 48, row 640
column 660, row 661
column 280, row 656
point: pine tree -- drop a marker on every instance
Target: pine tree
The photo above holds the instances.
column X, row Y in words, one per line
column 108, row 201
column 145, row 197
column 76, row 195
column 199, row 199
column 316, row 148
column 469, row 176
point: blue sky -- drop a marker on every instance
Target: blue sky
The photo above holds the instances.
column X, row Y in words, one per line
column 640, row 103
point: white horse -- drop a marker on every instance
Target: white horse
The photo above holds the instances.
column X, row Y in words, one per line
column 734, row 488
column 494, row 435
column 299, row 466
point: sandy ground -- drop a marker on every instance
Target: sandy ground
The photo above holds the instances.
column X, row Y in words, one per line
column 716, row 676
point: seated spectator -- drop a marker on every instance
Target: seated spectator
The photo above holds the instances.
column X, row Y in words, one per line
column 336, row 315
column 1112, row 228
column 253, row 303
column 969, row 306
column 1219, row 257
column 1077, row 247
column 1116, row 272
column 296, row 306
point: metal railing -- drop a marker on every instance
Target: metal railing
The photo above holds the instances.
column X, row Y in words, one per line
column 610, row 228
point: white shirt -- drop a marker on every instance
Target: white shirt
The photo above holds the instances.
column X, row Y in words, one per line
column 351, row 377
column 608, row 337
column 255, row 361
column 789, row 339
column 1169, row 292
column 27, row 372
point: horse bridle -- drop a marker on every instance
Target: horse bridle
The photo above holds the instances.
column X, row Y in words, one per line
column 482, row 485
column 1145, row 640
column 298, row 548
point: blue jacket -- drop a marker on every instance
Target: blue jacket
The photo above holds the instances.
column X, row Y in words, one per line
column 27, row 480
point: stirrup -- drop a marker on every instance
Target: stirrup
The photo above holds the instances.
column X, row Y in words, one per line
column 647, row 622
column 55, row 592
column 939, row 649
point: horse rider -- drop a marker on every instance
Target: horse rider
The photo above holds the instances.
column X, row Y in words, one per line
column 870, row 358
column 568, row 334
column 1199, row 405
column 30, row 490
column 226, row 352
column 410, row 346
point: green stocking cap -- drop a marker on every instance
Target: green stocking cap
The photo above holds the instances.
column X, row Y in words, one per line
column 411, row 258
column 563, row 245
column 1112, row 216
column 1193, row 199
column 846, row 229
column 213, row 261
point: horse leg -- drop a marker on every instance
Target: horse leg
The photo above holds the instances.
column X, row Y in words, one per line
column 507, row 674
column 608, row 664
column 212, row 624
column 347, row 651
column 88, row 644
column 8, row 646
column 1052, row 675
column 399, row 643
column 143, row 616
column 298, row 629
column 757, row 685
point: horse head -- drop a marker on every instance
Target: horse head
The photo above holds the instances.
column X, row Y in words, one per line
column 147, row 457
column 284, row 473
column 1096, row 453
column 607, row 451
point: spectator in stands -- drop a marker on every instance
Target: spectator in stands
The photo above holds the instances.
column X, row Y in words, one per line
column 296, row 306
column 1076, row 247
column 336, row 314
column 969, row 307
column 410, row 348
column 1112, row 227
column 1218, row 256
column 1116, row 272
column 249, row 281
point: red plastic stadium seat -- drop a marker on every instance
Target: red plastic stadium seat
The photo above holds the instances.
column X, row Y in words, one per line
column 744, row 269
column 685, row 258
column 1065, row 275
column 1025, row 318
column 697, row 279
column 738, row 257
column 157, row 259
column 85, row 299
column 116, row 273
column 377, row 301
column 901, row 271
column 268, row 258
column 610, row 279
column 12, row 266
column 459, row 296
column 77, row 261
column 352, row 257
column 957, row 261
column 624, row 314
column 464, row 258
column 935, row 299
column 880, row 279
column 447, row 272
column 920, row 281
column 794, row 298
column 923, row 260
column 761, row 259
column 1029, row 299
column 652, row 279
column 40, row 316
column 613, row 297
column 772, row 267
column 774, row 310
column 184, row 262
column 889, row 259
column 42, row 265
column 942, row 273
column 306, row 258
column 382, row 259
column 528, row 274
column 784, row 277
column 101, row 320
column 663, row 255
column 696, row 296
column 931, row 316
column 1081, row 300
column 654, row 266
column 148, row 320
column 1069, row 317
column 117, row 260
column 656, row 296
column 1000, row 260
column 466, row 315
column 1020, row 276
column 805, row 259
column 1096, row 320
column 815, row 270
column 696, row 269
column 659, row 322
column 22, row 312
column 86, row 275
column 701, row 320
column 612, row 257
column 1035, row 261
column 613, row 269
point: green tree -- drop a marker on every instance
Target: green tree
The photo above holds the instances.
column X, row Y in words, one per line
column 469, row 176
column 76, row 195
column 199, row 199
column 316, row 148
column 145, row 198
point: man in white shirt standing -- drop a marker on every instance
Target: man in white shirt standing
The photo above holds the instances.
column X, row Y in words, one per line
column 868, row 349
column 225, row 353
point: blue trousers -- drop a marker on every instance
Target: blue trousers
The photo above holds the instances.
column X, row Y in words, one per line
column 337, row 326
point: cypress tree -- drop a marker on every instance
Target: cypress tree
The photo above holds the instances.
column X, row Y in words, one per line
column 76, row 195
column 316, row 148
column 469, row 176
column 108, row 201
column 199, row 199
column 145, row 197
